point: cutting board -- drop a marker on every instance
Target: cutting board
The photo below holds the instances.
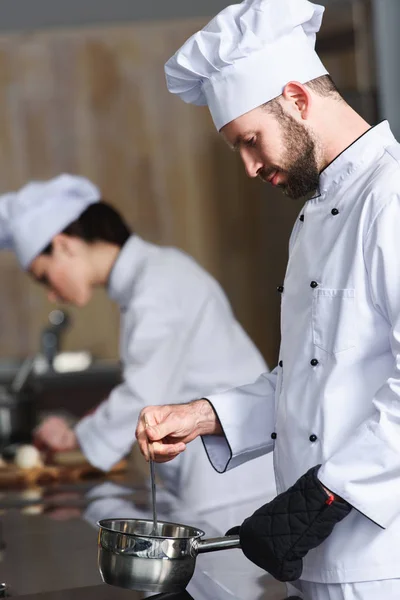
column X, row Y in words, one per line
column 64, row 467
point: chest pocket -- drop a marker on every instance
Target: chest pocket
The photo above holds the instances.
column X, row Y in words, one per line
column 333, row 319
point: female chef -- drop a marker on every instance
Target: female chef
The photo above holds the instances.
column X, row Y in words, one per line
column 177, row 331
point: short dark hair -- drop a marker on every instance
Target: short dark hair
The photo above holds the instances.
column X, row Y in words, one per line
column 100, row 222
column 322, row 86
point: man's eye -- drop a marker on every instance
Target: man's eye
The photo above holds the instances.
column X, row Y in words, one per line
column 251, row 142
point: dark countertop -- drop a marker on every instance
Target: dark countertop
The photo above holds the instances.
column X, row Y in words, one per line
column 48, row 545
column 42, row 554
column 45, row 543
column 103, row 592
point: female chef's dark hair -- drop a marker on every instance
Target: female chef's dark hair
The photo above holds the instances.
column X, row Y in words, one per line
column 100, row 222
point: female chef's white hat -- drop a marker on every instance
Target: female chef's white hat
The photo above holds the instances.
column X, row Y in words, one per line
column 246, row 55
column 32, row 217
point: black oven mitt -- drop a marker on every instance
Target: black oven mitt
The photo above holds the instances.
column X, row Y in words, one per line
column 280, row 533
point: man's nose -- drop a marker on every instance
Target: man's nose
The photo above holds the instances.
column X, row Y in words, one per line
column 252, row 165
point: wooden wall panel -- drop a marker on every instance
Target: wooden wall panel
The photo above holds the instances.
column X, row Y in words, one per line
column 94, row 102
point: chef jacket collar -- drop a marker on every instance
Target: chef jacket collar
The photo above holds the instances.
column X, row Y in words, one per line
column 129, row 264
column 361, row 152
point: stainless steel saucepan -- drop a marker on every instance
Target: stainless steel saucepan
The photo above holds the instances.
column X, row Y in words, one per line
column 130, row 557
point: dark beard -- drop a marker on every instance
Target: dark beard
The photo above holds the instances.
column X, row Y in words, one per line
column 302, row 176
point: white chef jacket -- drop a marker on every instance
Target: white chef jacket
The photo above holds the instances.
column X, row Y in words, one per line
column 334, row 399
column 179, row 339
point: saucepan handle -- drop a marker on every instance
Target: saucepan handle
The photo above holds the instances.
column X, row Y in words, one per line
column 218, row 543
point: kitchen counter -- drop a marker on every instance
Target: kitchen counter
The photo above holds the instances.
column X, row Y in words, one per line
column 41, row 554
column 97, row 592
column 48, row 546
column 104, row 593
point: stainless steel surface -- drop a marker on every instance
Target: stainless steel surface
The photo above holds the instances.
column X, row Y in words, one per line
column 52, row 543
column 43, row 553
column 95, row 592
column 131, row 556
column 45, row 537
column 218, row 543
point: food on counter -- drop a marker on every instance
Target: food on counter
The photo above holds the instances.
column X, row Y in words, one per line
column 67, row 469
column 28, row 457
column 68, row 362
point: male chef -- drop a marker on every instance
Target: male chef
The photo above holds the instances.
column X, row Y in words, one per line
column 67, row 238
column 330, row 411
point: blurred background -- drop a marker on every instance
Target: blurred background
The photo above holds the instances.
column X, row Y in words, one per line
column 83, row 91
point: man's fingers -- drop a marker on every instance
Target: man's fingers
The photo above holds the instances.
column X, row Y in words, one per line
column 139, row 428
column 146, row 419
column 165, row 460
column 166, row 452
column 170, row 427
column 142, row 438
column 153, row 415
column 161, row 429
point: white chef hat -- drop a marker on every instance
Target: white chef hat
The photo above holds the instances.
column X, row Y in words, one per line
column 246, row 55
column 32, row 217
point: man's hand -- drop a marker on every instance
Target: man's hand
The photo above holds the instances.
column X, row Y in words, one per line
column 56, row 435
column 170, row 427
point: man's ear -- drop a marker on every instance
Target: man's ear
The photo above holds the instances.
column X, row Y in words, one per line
column 298, row 99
